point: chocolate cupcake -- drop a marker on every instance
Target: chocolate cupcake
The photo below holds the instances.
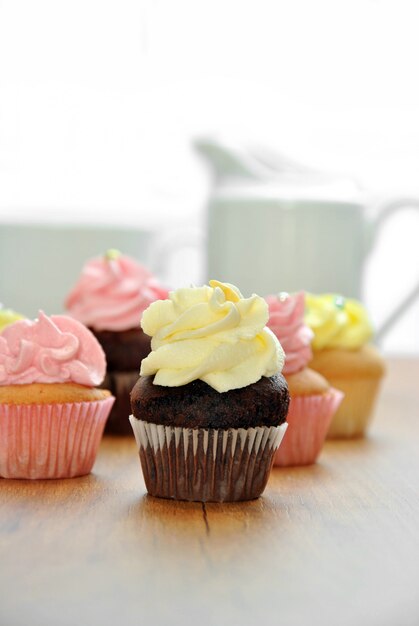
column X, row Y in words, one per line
column 210, row 406
column 109, row 298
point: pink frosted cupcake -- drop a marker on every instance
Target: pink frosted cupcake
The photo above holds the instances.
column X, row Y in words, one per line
column 110, row 297
column 313, row 401
column 51, row 415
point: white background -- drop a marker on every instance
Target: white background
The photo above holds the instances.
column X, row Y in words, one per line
column 99, row 102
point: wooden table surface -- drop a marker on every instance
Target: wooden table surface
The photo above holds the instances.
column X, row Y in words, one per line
column 335, row 543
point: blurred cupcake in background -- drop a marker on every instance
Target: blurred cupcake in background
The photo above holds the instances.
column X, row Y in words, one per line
column 7, row 317
column 51, row 414
column 342, row 352
column 313, row 400
column 109, row 298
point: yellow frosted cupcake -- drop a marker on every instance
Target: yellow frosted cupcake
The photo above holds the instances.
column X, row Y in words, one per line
column 7, row 316
column 343, row 354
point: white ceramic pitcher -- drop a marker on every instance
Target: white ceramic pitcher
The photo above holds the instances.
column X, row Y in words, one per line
column 274, row 225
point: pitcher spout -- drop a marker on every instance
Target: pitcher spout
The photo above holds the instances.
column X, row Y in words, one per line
column 229, row 161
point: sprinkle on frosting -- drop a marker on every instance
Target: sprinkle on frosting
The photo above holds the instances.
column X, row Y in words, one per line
column 7, row 316
column 112, row 254
column 337, row 322
column 213, row 334
column 56, row 349
column 112, row 293
column 286, row 320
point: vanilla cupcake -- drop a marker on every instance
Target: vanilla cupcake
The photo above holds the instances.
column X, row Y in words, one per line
column 342, row 352
column 51, row 415
column 109, row 298
column 313, row 401
column 210, row 406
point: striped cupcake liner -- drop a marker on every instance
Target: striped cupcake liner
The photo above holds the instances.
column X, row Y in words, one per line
column 51, row 440
column 309, row 418
column 206, row 465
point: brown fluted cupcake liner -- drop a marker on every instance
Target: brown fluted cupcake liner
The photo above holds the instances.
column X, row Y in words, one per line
column 206, row 465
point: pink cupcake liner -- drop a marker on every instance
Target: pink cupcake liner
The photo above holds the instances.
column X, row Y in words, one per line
column 51, row 440
column 309, row 418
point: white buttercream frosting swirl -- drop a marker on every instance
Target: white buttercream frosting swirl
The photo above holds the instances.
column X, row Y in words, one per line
column 210, row 333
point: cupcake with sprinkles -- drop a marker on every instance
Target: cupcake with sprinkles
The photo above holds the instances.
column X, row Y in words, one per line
column 343, row 352
column 109, row 298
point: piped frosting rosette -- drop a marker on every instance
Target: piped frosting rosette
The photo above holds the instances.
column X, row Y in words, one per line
column 286, row 320
column 213, row 334
column 337, row 322
column 42, row 363
column 55, row 349
column 309, row 416
column 112, row 293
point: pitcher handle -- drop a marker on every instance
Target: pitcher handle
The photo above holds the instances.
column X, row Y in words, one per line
column 387, row 210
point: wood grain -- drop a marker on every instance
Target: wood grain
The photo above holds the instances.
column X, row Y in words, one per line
column 336, row 543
